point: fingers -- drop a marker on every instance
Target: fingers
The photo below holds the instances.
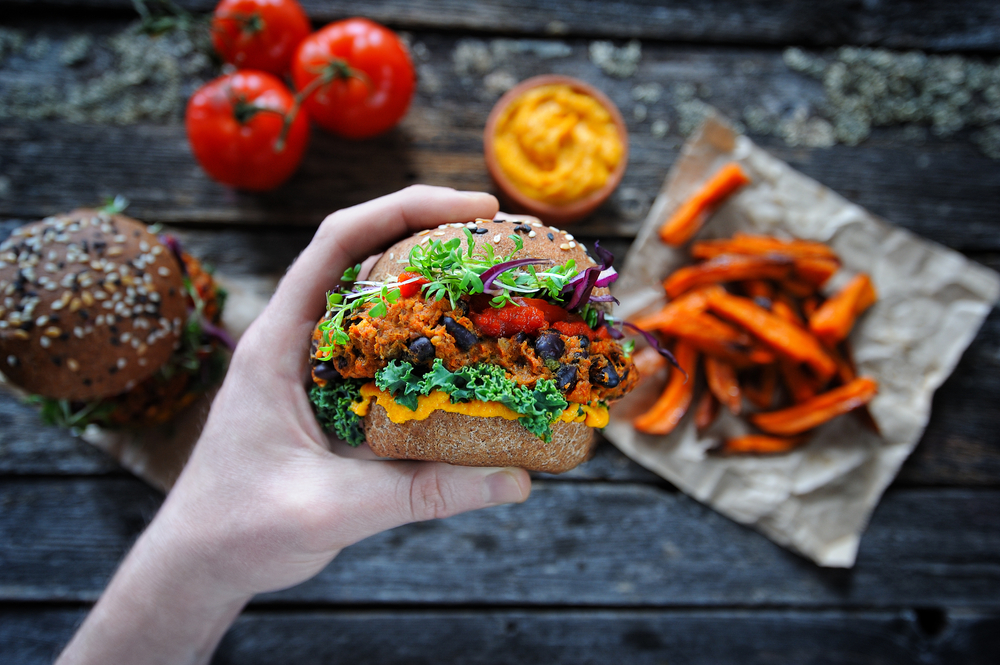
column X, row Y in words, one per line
column 378, row 495
column 346, row 237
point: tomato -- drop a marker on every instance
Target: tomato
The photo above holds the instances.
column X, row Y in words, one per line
column 357, row 77
column 234, row 125
column 259, row 34
column 413, row 288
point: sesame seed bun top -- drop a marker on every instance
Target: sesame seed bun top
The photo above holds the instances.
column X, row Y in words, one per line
column 91, row 303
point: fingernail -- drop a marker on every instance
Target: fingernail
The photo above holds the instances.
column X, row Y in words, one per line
column 502, row 487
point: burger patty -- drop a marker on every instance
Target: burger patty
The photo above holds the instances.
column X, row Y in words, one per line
column 418, row 331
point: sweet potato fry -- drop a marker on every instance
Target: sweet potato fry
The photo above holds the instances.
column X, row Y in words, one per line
column 717, row 338
column 787, row 339
column 798, row 287
column 690, row 216
column 761, row 392
column 834, row 319
column 743, row 243
column 648, row 362
column 689, row 304
column 673, row 403
column 815, row 270
column 818, row 410
column 727, row 268
column 722, row 383
column 845, row 365
column 759, row 444
column 706, row 410
column 758, row 288
column 800, row 386
column 809, row 305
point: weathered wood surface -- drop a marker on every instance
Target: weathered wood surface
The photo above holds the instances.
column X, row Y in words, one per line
column 942, row 189
column 34, row 636
column 970, row 25
column 571, row 544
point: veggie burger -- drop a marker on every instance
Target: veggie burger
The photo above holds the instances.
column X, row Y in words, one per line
column 488, row 343
column 106, row 323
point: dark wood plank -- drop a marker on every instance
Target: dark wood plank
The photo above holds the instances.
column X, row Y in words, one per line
column 34, row 635
column 574, row 544
column 970, row 25
column 940, row 188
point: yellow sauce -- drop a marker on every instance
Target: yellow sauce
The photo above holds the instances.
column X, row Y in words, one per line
column 557, row 145
column 440, row 400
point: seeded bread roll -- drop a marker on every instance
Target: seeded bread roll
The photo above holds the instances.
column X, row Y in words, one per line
column 91, row 304
column 540, row 242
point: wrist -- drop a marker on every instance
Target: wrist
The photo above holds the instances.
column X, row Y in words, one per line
column 165, row 604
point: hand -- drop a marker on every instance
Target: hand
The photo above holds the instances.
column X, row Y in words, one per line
column 266, row 501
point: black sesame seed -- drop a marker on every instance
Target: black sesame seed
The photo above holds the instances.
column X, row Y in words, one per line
column 64, row 337
column 551, row 237
column 498, row 221
column 57, row 361
column 115, row 342
column 113, row 369
column 87, row 382
column 114, row 329
column 522, row 228
column 480, row 230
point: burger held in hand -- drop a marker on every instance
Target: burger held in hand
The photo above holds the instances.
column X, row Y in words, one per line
column 481, row 344
column 104, row 322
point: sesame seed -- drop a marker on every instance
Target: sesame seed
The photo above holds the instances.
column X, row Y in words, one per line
column 109, row 319
column 44, row 342
column 21, row 334
column 52, row 331
column 12, row 361
column 572, row 245
column 126, row 336
column 116, row 251
column 78, row 331
column 51, row 286
column 99, row 320
column 121, row 363
column 107, row 304
column 119, row 238
column 439, row 233
column 496, row 238
column 156, row 250
column 143, row 246
column 392, row 255
column 100, row 295
column 87, row 298
column 532, row 234
column 143, row 362
column 424, row 232
column 135, row 342
column 569, row 237
column 73, row 365
column 163, row 271
column 41, row 321
column 565, row 245
column 74, row 304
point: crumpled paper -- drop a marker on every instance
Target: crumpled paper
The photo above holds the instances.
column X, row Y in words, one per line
column 817, row 499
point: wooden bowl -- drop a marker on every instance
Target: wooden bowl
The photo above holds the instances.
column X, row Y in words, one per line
column 517, row 200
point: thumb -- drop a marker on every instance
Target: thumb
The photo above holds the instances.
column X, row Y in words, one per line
column 388, row 494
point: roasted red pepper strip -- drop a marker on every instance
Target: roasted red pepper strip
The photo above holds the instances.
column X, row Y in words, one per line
column 673, row 403
column 818, row 410
column 690, row 216
column 786, row 338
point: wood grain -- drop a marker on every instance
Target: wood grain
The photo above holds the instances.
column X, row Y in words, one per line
column 33, row 636
column 970, row 25
column 572, row 544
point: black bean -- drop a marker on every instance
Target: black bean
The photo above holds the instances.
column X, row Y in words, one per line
column 549, row 345
column 421, row 350
column 566, row 378
column 325, row 371
column 522, row 337
column 584, row 341
column 464, row 338
column 604, row 374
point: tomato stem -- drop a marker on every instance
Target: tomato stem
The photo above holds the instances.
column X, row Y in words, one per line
column 337, row 69
column 250, row 24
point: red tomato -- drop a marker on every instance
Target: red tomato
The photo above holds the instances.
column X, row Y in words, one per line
column 357, row 75
column 413, row 288
column 234, row 125
column 259, row 34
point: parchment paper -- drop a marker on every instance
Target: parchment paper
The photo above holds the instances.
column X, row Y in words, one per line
column 932, row 300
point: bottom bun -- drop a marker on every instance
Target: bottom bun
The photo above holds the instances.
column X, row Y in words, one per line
column 456, row 438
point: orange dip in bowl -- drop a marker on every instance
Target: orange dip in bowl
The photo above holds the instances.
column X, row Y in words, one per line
column 557, row 144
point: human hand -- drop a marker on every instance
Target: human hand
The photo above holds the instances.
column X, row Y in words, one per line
column 266, row 501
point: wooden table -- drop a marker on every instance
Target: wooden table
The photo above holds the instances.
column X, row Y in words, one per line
column 607, row 563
